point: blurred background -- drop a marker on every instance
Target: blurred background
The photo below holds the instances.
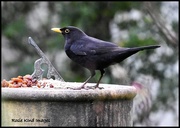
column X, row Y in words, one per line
column 129, row 24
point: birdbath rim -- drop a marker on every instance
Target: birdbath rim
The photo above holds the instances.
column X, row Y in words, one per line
column 109, row 92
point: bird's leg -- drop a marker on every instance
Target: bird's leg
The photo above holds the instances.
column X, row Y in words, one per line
column 102, row 73
column 97, row 85
column 92, row 74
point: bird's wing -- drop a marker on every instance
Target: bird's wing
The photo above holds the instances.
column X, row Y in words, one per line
column 92, row 46
column 78, row 48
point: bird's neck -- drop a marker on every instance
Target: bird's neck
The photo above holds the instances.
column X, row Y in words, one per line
column 67, row 44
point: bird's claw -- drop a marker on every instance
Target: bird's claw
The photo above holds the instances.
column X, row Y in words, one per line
column 94, row 87
column 76, row 88
column 86, row 88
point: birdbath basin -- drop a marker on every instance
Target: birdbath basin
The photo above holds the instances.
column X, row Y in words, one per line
column 110, row 106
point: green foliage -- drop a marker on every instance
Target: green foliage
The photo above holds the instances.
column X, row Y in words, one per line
column 25, row 68
column 136, row 41
column 15, row 28
column 132, row 23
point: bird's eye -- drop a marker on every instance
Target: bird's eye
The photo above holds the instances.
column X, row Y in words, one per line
column 67, row 30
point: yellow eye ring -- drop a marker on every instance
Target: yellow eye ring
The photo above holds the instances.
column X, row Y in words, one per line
column 67, row 30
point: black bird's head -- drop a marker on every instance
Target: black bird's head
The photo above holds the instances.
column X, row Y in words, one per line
column 70, row 32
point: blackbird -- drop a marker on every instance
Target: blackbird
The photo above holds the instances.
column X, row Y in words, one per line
column 92, row 53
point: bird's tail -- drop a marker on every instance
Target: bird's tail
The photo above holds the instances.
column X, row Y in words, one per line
column 145, row 47
column 130, row 51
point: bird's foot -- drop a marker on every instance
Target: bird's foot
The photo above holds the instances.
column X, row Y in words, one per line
column 86, row 88
column 75, row 88
column 94, row 87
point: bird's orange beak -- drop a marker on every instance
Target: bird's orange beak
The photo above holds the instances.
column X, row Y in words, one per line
column 56, row 30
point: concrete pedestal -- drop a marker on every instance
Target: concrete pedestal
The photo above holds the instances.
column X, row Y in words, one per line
column 111, row 106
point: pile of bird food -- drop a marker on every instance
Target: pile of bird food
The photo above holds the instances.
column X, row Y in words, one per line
column 28, row 81
column 20, row 81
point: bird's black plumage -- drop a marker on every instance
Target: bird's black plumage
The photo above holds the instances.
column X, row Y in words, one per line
column 94, row 54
